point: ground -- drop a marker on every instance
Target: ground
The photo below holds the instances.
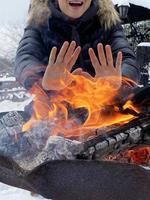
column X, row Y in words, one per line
column 11, row 193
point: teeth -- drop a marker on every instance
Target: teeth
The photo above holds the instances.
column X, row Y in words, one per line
column 75, row 3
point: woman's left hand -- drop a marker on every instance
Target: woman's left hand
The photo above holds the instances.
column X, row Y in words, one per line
column 104, row 64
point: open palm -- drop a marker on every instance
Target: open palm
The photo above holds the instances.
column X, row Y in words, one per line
column 104, row 64
column 57, row 75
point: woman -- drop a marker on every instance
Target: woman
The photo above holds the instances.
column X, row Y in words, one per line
column 79, row 36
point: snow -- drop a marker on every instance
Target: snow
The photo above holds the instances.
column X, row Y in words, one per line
column 123, row 2
column 146, row 44
column 8, row 106
column 6, row 79
column 12, row 193
column 143, row 3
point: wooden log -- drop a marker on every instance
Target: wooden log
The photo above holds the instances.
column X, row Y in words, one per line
column 132, row 134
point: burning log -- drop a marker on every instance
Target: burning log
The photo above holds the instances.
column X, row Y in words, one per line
column 117, row 138
column 34, row 147
column 28, row 156
column 132, row 134
column 31, row 148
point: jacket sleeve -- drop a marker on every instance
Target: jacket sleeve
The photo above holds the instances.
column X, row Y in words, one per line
column 30, row 61
column 118, row 42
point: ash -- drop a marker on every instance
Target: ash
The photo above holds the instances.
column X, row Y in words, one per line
column 57, row 148
column 31, row 149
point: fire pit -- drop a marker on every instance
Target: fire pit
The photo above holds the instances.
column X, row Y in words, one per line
column 67, row 151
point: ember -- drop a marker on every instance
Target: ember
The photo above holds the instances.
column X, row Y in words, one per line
column 139, row 156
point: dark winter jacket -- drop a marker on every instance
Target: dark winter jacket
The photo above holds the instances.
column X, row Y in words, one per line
column 48, row 27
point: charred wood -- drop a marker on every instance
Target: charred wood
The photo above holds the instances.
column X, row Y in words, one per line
column 135, row 133
column 31, row 149
column 35, row 147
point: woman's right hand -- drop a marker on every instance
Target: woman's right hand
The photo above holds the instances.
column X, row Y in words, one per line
column 57, row 75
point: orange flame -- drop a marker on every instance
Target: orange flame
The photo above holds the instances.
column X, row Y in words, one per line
column 130, row 105
column 94, row 98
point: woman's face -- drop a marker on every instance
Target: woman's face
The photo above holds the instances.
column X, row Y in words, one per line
column 74, row 8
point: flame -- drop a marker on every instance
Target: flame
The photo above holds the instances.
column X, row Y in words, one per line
column 129, row 105
column 83, row 105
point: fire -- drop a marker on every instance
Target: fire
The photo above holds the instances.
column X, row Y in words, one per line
column 130, row 105
column 83, row 105
column 139, row 155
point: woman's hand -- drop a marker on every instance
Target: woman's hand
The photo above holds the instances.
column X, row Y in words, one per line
column 104, row 65
column 57, row 75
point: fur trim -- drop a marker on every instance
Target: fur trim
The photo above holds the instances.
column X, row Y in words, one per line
column 39, row 12
column 108, row 15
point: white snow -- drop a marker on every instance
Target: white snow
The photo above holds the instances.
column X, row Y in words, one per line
column 146, row 44
column 144, row 3
column 8, row 106
column 123, row 2
column 7, row 79
column 12, row 193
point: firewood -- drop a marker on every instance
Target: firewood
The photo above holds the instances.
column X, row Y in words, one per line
column 115, row 140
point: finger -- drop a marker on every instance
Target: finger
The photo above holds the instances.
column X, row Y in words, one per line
column 74, row 58
column 51, row 107
column 77, row 71
column 119, row 61
column 101, row 54
column 109, row 56
column 69, row 52
column 52, row 56
column 87, row 75
column 62, row 52
column 94, row 60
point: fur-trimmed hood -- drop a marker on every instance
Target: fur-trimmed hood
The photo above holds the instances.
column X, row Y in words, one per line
column 39, row 13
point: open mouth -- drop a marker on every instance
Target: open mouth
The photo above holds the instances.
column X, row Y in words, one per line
column 75, row 3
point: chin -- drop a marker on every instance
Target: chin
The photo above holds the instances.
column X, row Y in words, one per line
column 75, row 16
